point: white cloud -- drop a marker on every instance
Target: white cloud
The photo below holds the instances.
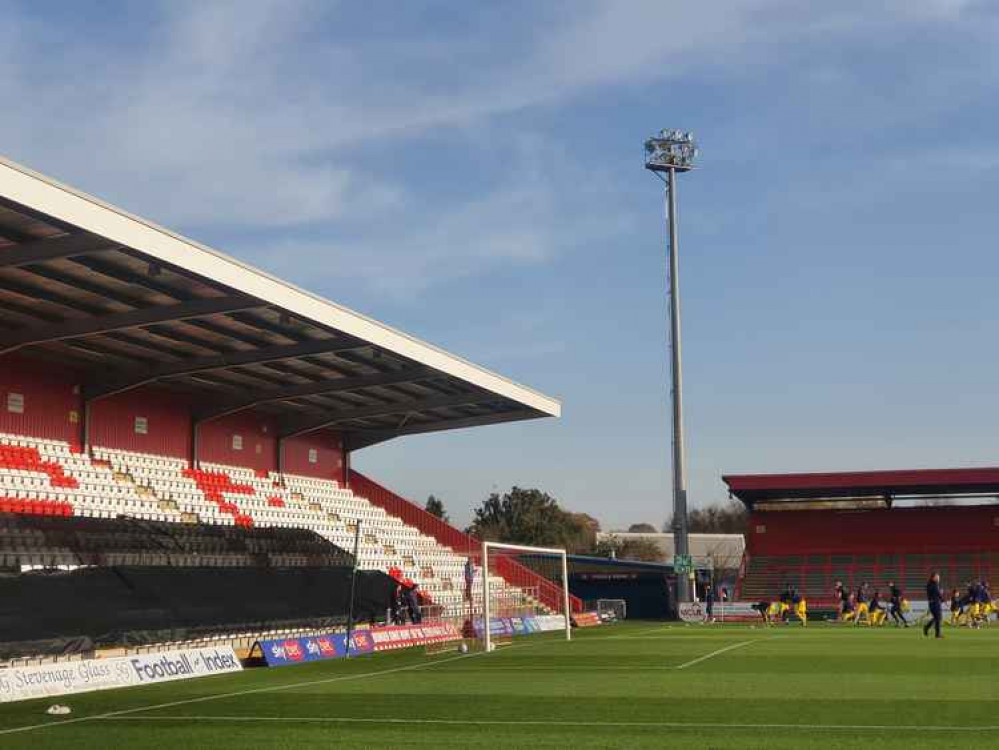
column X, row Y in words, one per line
column 248, row 115
column 529, row 218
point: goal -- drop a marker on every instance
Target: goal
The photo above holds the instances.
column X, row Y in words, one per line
column 523, row 587
column 612, row 610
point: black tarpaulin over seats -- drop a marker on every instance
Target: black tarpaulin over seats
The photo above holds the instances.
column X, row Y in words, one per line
column 68, row 611
column 202, row 581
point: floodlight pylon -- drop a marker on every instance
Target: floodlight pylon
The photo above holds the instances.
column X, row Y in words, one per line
column 667, row 153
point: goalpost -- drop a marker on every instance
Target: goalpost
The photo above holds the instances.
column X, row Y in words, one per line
column 538, row 585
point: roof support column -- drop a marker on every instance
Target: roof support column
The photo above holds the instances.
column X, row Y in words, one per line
column 85, row 427
column 279, row 447
column 195, row 440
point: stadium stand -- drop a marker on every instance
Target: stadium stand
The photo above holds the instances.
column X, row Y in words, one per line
column 813, row 530
column 147, row 379
column 45, row 479
column 157, row 488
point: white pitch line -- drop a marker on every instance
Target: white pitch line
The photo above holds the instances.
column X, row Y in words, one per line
column 275, row 688
column 720, row 651
column 668, row 637
column 639, row 634
column 554, row 723
column 267, row 689
column 237, row 693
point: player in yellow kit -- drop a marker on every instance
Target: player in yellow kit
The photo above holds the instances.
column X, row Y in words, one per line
column 956, row 608
column 801, row 610
column 862, row 610
column 876, row 613
column 988, row 603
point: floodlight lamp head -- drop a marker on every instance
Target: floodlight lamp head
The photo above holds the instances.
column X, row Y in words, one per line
column 670, row 150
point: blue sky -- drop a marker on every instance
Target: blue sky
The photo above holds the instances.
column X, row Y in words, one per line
column 472, row 173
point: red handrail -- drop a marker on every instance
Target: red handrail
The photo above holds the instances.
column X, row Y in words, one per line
column 412, row 514
column 509, row 569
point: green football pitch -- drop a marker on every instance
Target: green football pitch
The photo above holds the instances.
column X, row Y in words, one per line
column 633, row 685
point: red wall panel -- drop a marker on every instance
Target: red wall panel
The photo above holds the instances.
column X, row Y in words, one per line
column 901, row 530
column 215, row 441
column 112, row 422
column 329, row 454
column 52, row 403
column 53, row 409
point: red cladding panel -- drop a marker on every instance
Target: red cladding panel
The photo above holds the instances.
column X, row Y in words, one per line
column 900, row 530
column 39, row 399
column 243, row 439
column 144, row 420
column 328, row 449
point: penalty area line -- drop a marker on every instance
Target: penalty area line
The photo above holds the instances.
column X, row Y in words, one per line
column 720, row 651
column 553, row 723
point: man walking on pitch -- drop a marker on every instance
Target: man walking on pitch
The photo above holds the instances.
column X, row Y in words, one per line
column 934, row 598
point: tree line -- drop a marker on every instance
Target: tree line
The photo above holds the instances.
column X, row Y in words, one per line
column 535, row 518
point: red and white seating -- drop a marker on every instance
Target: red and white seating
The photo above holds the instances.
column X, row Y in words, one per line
column 48, row 477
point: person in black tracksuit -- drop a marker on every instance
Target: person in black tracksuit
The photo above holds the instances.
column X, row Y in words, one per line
column 934, row 597
column 895, row 594
column 844, row 598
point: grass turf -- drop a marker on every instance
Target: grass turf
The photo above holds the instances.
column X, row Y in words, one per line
column 633, row 685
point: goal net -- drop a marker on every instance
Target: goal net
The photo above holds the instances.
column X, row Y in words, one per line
column 612, row 610
column 524, row 589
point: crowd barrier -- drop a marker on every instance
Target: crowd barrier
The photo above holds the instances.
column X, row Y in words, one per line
column 502, row 626
column 547, row 623
column 727, row 611
column 283, row 651
column 403, row 636
column 279, row 652
column 47, row 680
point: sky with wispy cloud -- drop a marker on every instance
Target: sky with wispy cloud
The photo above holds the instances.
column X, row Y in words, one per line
column 472, row 173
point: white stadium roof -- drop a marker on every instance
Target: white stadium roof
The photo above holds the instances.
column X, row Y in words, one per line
column 89, row 285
